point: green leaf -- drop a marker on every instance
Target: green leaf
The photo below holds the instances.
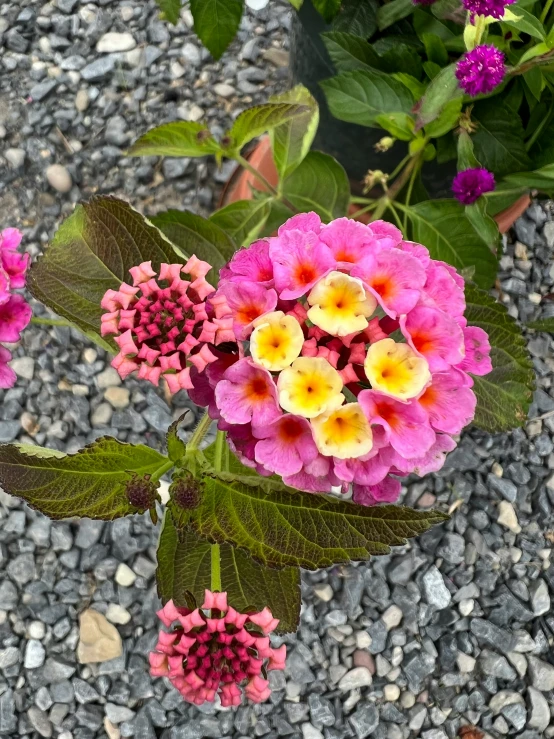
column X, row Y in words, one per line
column 259, row 119
column 171, row 9
column 358, row 17
column 535, row 81
column 399, row 125
column 178, row 139
column 442, row 226
column 288, row 528
column 504, row 395
column 447, row 119
column 244, row 219
column 483, row 224
column 184, row 564
column 524, row 22
column 291, row 141
column 349, row 52
column 435, row 49
column 91, row 483
column 466, row 155
column 393, row 11
column 216, row 22
column 416, row 87
column 360, row 96
column 541, row 179
column 543, row 324
column 534, row 51
column 297, row 4
column 92, row 251
column 499, row 139
column 327, row 8
column 400, row 57
column 424, row 23
column 176, row 447
column 442, row 90
column 319, row 184
column 196, row 235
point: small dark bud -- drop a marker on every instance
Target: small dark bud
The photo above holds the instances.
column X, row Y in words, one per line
column 185, row 491
column 226, row 141
column 203, row 135
column 141, row 492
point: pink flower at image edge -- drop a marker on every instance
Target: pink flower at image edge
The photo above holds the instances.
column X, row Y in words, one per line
column 15, row 312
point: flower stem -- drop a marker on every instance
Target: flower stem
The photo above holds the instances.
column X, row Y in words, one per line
column 249, row 168
column 162, row 469
column 51, row 321
column 199, row 432
column 215, row 552
column 546, row 10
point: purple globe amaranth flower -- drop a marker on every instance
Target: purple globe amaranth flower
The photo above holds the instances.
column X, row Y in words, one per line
column 479, row 71
column 494, row 8
column 472, row 183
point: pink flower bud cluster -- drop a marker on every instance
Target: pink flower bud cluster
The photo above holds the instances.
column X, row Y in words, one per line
column 166, row 325
column 339, row 313
column 216, row 649
column 15, row 312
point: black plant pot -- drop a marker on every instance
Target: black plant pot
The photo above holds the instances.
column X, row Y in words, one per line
column 352, row 145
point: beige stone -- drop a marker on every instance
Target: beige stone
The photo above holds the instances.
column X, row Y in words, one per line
column 99, row 640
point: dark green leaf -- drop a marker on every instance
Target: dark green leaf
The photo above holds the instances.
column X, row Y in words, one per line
column 424, row 23
column 278, row 214
column 184, row 564
column 171, row 10
column 466, row 155
column 399, row 125
column 92, row 251
column 499, row 139
column 504, row 395
column 502, row 197
column 483, row 224
column 319, row 184
column 91, row 483
column 358, row 17
column 526, row 22
column 444, row 229
column 176, row 447
column 542, row 151
column 541, row 179
column 393, row 11
column 401, row 57
column 261, row 118
column 447, row 119
column 442, row 90
column 327, row 8
column 349, row 52
column 543, row 324
column 243, row 220
column 216, row 22
column 435, row 49
column 360, row 96
column 290, row 528
column 178, row 139
column 416, row 87
column 291, row 141
column 535, row 81
column 196, row 235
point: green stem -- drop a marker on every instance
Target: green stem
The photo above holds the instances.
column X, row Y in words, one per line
column 399, row 166
column 215, row 552
column 382, row 205
column 162, row 469
column 395, row 216
column 546, row 10
column 361, row 211
column 51, row 321
column 253, row 171
column 355, row 200
column 409, row 196
column 199, row 432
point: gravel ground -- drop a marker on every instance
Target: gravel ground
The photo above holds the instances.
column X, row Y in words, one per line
column 452, row 629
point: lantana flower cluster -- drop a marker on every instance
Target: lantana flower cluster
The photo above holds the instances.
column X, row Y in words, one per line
column 215, row 649
column 15, row 312
column 352, row 362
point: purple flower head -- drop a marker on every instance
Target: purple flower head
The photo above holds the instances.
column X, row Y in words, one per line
column 472, row 183
column 479, row 71
column 494, row 8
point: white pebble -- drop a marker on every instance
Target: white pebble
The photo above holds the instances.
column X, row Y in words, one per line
column 117, row 614
column 391, row 692
column 507, row 516
column 392, row 617
column 111, row 42
column 466, row 663
column 324, row 592
column 124, row 575
column 59, row 178
column 117, row 397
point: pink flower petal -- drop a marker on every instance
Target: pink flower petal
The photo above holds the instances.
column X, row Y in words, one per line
column 285, row 445
column 247, row 394
column 477, row 347
column 441, row 291
column 252, row 264
column 349, row 241
column 435, row 335
column 247, row 301
column 304, row 222
column 15, row 315
column 449, row 403
column 299, row 260
column 387, row 491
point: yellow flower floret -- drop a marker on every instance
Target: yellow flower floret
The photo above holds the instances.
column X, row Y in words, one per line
column 340, row 304
column 276, row 341
column 309, row 387
column 344, row 433
column 396, row 370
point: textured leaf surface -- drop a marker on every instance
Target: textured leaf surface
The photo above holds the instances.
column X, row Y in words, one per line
column 319, row 184
column 261, row 118
column 92, row 251
column 177, row 139
column 444, row 229
column 289, row 528
column 499, row 140
column 184, row 565
column 216, row 22
column 171, row 10
column 504, row 395
column 196, row 235
column 291, row 140
column 442, row 90
column 394, row 11
column 243, row 220
column 543, row 324
column 358, row 17
column 176, row 447
column 90, row 483
column 349, row 52
column 327, row 8
column 361, row 95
